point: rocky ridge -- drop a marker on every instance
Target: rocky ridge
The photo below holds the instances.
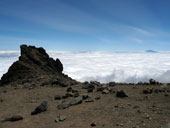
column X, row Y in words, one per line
column 36, row 68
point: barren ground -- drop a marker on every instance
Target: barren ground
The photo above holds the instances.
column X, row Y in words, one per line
column 136, row 111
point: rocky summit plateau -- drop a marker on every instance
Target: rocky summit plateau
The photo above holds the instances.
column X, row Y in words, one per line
column 35, row 93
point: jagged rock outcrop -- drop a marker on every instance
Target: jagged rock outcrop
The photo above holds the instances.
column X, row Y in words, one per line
column 34, row 67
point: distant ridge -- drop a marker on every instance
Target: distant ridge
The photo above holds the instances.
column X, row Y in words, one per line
column 151, row 51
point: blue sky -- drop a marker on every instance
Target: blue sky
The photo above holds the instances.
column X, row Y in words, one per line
column 80, row 25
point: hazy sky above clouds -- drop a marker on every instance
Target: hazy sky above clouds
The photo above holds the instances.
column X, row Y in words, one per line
column 83, row 25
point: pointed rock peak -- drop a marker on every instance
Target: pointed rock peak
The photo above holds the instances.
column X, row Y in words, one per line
column 33, row 63
column 38, row 56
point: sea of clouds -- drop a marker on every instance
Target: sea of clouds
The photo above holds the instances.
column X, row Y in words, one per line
column 105, row 66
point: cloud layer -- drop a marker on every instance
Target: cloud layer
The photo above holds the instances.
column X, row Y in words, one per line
column 106, row 66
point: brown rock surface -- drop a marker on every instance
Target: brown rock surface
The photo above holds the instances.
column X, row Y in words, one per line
column 34, row 67
column 107, row 112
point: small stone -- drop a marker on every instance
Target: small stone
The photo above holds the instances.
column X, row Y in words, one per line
column 116, row 106
column 121, row 94
column 60, row 83
column 139, row 111
column 69, row 94
column 74, row 91
column 93, row 124
column 89, row 100
column 69, row 89
column 57, row 97
column 97, row 97
column 13, row 118
column 64, row 105
column 60, row 118
column 64, row 97
column 135, row 106
column 148, row 117
column 119, row 124
column 57, row 119
column 111, row 84
column 105, row 91
column 166, row 95
column 100, row 89
column 156, row 91
column 95, row 82
column 86, row 82
column 4, row 91
column 85, row 96
column 147, row 91
column 90, row 90
column 1, row 100
column 87, row 86
column 76, row 94
column 76, row 101
column 147, row 97
column 168, row 90
column 41, row 108
column 114, row 90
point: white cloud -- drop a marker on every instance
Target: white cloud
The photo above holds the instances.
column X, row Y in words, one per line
column 120, row 67
column 107, row 66
column 137, row 40
column 6, row 59
column 141, row 31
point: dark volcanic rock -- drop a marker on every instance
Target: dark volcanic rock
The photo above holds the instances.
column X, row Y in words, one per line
column 13, row 118
column 92, row 124
column 153, row 82
column 95, row 83
column 39, row 56
column 89, row 100
column 147, row 91
column 85, row 96
column 68, row 94
column 61, row 83
column 35, row 67
column 121, row 94
column 97, row 98
column 100, row 88
column 64, row 105
column 111, row 84
column 60, row 118
column 69, row 89
column 88, row 86
column 57, row 97
column 90, row 90
column 76, row 101
column 64, row 97
column 41, row 108
column 76, row 94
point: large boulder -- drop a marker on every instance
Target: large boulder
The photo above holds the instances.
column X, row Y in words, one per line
column 36, row 67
